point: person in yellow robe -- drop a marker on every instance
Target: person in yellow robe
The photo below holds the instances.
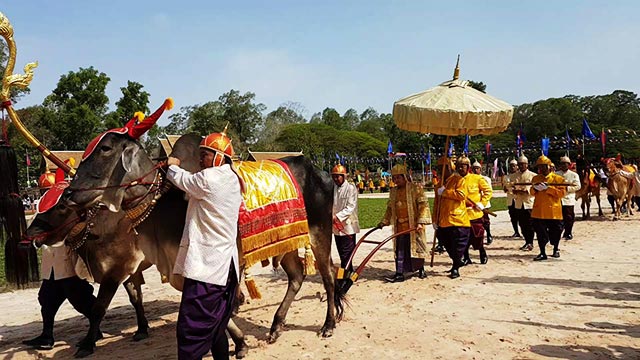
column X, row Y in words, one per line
column 546, row 214
column 371, row 186
column 479, row 193
column 407, row 208
column 383, row 185
column 450, row 219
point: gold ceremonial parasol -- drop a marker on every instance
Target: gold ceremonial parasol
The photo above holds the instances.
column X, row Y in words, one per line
column 452, row 108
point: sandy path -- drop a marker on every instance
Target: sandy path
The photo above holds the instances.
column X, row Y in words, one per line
column 584, row 305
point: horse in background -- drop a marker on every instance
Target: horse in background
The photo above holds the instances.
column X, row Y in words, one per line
column 591, row 184
column 620, row 183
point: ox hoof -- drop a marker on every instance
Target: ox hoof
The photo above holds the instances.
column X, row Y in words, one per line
column 273, row 337
column 140, row 335
column 83, row 352
column 326, row 332
column 241, row 350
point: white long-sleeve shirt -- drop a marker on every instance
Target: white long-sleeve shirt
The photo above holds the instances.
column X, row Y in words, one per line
column 572, row 178
column 345, row 208
column 208, row 242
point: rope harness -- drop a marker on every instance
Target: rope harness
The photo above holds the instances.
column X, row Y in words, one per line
column 83, row 223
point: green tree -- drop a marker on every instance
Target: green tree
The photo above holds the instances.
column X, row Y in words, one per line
column 332, row 118
column 351, row 119
column 275, row 121
column 478, row 85
column 372, row 124
column 243, row 115
column 80, row 103
column 133, row 99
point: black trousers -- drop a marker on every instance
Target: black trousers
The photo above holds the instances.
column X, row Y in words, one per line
column 547, row 231
column 54, row 292
column 524, row 220
column 345, row 244
column 513, row 215
column 568, row 218
column 455, row 240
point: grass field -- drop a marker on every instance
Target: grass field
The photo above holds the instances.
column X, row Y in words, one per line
column 370, row 212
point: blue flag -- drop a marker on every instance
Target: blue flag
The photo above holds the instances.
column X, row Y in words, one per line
column 450, row 151
column 389, row 147
column 545, row 146
column 568, row 138
column 429, row 157
column 586, row 132
column 466, row 144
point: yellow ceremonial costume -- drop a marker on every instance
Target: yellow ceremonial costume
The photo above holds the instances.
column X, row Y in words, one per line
column 453, row 210
column 478, row 191
column 407, row 207
column 547, row 204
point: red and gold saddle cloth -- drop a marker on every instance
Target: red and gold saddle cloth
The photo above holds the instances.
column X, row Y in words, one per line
column 273, row 219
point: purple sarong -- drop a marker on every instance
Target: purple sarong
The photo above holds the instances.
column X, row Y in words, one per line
column 204, row 314
column 404, row 262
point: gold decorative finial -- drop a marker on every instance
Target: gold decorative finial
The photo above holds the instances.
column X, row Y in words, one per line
column 224, row 132
column 10, row 80
column 456, row 72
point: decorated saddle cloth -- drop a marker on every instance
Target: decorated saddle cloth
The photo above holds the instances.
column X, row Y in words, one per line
column 273, row 219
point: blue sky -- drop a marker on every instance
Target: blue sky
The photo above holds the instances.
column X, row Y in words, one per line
column 338, row 54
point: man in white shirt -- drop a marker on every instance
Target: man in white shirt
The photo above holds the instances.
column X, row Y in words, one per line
column 208, row 254
column 345, row 214
column 524, row 201
column 569, row 200
column 59, row 283
column 507, row 181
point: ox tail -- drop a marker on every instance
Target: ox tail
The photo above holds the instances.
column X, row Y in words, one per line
column 340, row 296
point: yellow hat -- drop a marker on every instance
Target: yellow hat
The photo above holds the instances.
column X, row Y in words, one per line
column 543, row 160
column 399, row 169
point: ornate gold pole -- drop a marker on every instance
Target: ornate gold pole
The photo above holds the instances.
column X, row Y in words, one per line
column 21, row 81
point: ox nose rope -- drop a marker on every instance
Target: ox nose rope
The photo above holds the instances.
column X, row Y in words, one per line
column 136, row 182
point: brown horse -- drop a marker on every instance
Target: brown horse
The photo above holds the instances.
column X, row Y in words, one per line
column 620, row 187
column 590, row 188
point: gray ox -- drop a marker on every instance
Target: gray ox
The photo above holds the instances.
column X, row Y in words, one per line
column 119, row 160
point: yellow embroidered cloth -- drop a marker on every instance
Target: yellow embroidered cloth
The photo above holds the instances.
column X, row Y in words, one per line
column 273, row 219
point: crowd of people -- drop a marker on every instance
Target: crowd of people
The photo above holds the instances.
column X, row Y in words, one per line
column 541, row 205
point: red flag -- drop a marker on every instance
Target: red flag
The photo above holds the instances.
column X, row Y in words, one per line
column 28, row 160
column 603, row 140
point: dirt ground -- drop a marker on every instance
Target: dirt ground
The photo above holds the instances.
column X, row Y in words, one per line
column 584, row 305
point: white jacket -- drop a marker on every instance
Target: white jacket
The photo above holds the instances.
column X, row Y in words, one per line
column 572, row 178
column 525, row 200
column 208, row 242
column 60, row 260
column 345, row 208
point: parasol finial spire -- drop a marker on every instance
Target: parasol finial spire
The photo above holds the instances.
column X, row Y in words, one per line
column 456, row 71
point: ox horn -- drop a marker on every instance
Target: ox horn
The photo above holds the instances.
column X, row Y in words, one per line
column 21, row 81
